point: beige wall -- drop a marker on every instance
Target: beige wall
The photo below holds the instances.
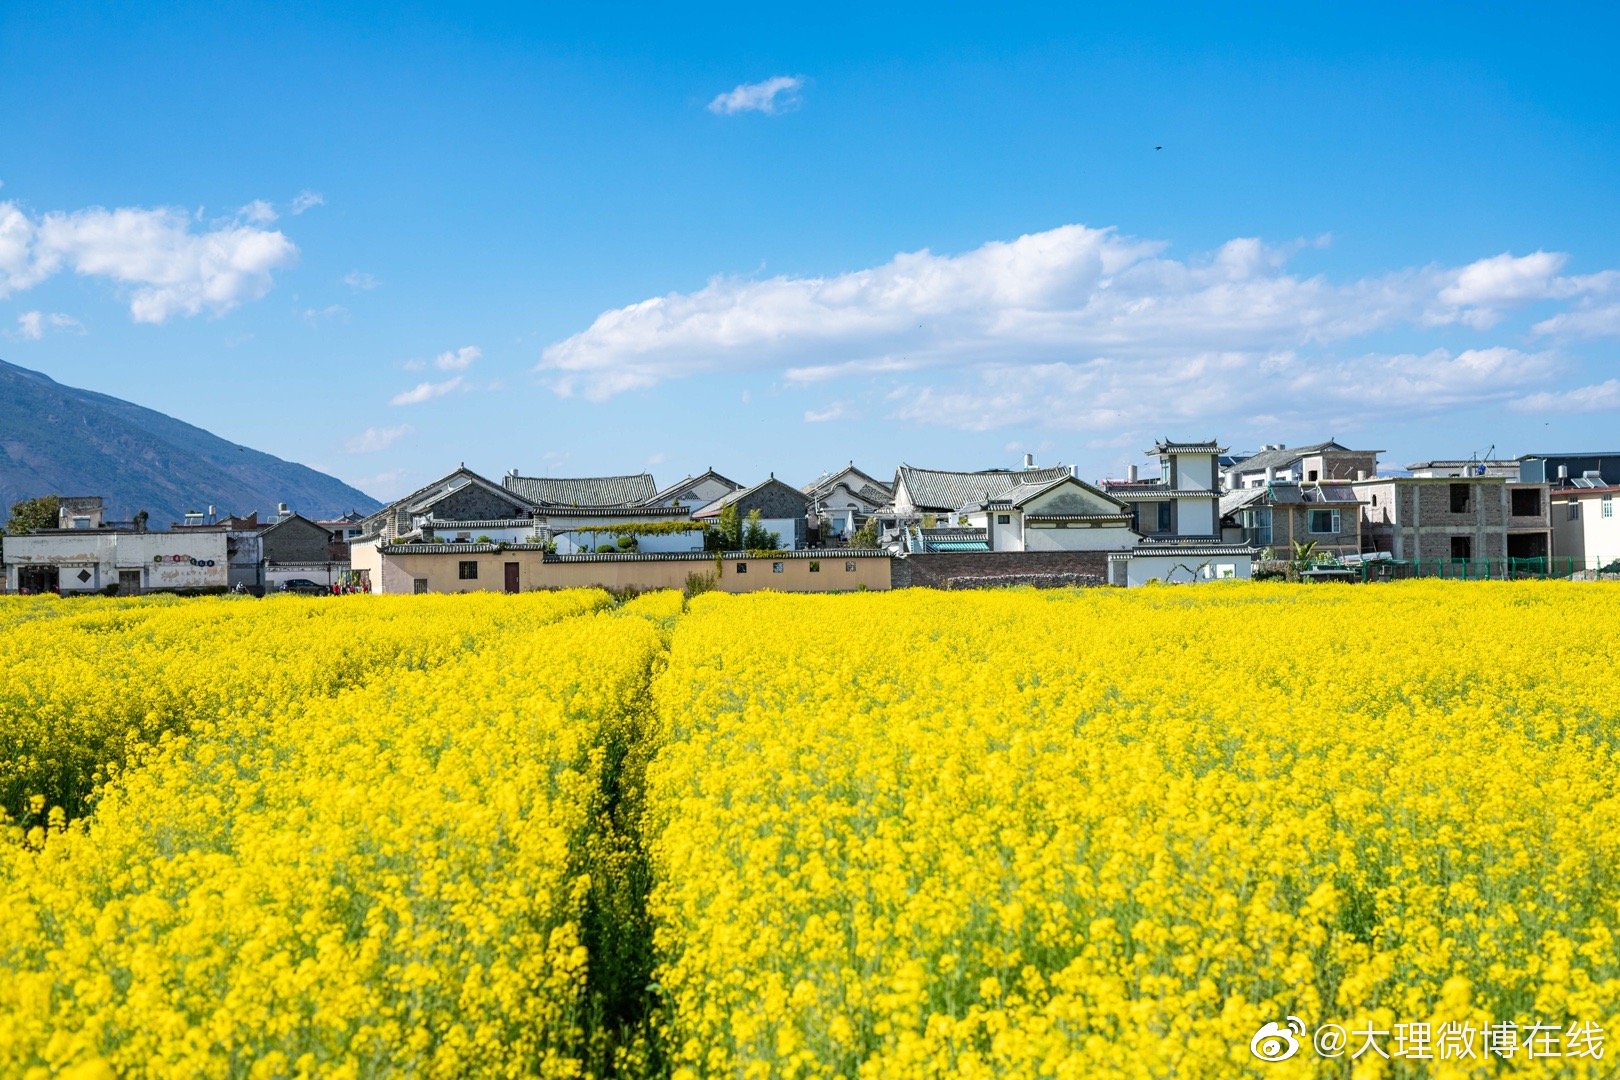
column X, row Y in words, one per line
column 400, row 572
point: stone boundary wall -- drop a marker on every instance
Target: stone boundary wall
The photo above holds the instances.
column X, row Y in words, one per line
column 995, row 569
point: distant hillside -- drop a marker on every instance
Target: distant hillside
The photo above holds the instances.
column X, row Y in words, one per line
column 57, row 440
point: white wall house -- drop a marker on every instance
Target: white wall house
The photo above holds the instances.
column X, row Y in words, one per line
column 1178, row 515
column 695, row 492
column 90, row 559
column 1060, row 515
column 1586, row 527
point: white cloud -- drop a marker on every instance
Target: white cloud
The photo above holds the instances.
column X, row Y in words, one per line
column 306, row 200
column 1200, row 392
column 426, row 391
column 1594, row 398
column 1587, row 320
column 33, row 325
column 360, row 281
column 769, row 96
column 258, row 212
column 373, row 439
column 167, row 268
column 458, row 359
column 835, row 411
column 330, row 311
column 1077, row 310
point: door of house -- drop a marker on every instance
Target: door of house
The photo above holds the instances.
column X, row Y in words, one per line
column 511, row 577
column 129, row 583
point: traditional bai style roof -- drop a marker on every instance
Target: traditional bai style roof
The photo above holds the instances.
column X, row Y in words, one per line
column 598, row 491
column 937, row 489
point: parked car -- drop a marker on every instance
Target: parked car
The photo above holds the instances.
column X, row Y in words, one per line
column 305, row 585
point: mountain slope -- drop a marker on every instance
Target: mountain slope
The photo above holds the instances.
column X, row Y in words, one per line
column 60, row 440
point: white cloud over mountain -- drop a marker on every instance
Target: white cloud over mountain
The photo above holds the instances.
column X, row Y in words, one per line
column 165, row 262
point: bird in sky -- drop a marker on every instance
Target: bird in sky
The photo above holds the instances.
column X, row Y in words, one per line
column 1158, row 148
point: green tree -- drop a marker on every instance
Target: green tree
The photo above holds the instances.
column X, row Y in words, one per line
column 756, row 537
column 731, row 537
column 31, row 514
column 866, row 536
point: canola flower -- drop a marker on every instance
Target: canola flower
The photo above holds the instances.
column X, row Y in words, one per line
column 87, row 684
column 1098, row 834
column 392, row 878
column 1003, row 834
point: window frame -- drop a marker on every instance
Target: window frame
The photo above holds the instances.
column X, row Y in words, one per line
column 1335, row 519
column 463, row 566
column 1467, row 500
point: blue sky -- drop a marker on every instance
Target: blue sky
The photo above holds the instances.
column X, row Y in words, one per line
column 580, row 240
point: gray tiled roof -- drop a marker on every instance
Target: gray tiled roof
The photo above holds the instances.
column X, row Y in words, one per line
column 936, row 489
column 1171, row 446
column 1277, row 459
column 689, row 481
column 1289, row 495
column 584, row 490
column 866, row 482
column 742, row 493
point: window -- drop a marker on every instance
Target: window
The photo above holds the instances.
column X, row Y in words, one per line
column 1607, row 506
column 81, row 523
column 776, row 568
column 815, row 566
column 1375, row 500
column 1574, row 510
column 1164, row 517
column 1462, row 548
column 742, row 568
column 469, row 570
column 419, row 585
column 1311, row 476
column 1003, row 519
column 1459, row 498
column 1324, row 521
column 1526, row 502
column 849, row 568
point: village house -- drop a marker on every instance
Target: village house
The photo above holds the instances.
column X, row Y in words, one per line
column 1586, row 527
column 694, row 492
column 843, row 500
column 1326, row 516
column 1444, row 522
column 294, row 548
column 783, row 510
column 244, row 549
column 1321, row 462
column 1066, row 514
column 578, row 514
column 87, row 554
column 1596, row 467
column 1177, row 515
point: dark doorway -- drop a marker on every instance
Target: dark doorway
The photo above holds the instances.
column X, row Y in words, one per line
column 37, row 579
column 129, row 583
column 1527, row 545
column 511, row 577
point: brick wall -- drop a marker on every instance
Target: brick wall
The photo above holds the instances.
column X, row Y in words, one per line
column 972, row 569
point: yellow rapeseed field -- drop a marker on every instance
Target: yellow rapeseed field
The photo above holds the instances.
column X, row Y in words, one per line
column 1113, row 834
column 1019, row 833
